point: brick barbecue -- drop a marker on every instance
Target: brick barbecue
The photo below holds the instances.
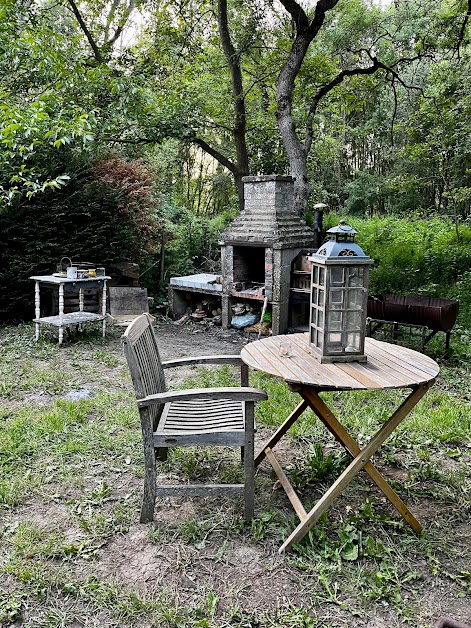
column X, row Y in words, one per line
column 258, row 247
column 257, row 251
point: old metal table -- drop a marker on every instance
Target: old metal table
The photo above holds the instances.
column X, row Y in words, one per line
column 388, row 367
column 63, row 284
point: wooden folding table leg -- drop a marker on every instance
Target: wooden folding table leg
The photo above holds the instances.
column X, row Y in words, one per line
column 290, row 492
column 354, row 467
column 281, row 431
column 323, row 412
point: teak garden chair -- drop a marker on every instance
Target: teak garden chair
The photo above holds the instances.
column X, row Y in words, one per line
column 202, row 416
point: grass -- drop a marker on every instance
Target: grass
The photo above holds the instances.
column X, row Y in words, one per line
column 72, row 552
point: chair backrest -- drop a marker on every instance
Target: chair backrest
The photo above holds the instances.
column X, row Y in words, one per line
column 142, row 355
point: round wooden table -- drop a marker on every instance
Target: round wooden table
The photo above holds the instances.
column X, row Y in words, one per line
column 388, row 366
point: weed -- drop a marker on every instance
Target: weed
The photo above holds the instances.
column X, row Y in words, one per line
column 10, row 608
column 105, row 358
column 291, row 616
column 259, row 526
column 317, row 466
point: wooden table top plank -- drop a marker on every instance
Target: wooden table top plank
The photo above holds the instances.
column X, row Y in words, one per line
column 403, row 368
column 302, row 366
column 392, row 367
column 389, row 374
column 260, row 360
column 413, row 359
column 361, row 375
column 388, row 366
column 375, row 370
column 303, row 358
column 326, row 372
column 291, row 369
column 404, row 355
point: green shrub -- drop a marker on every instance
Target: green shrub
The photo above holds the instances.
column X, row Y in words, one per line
column 108, row 213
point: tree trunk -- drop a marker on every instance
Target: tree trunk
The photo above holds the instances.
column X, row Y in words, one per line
column 240, row 115
column 295, row 150
column 240, row 187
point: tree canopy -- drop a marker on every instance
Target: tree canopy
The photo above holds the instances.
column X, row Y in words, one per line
column 364, row 104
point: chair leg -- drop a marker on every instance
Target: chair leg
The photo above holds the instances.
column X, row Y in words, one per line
column 150, row 472
column 148, row 498
column 249, row 465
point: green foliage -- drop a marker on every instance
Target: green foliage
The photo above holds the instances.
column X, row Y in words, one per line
column 375, row 151
column 316, row 466
column 39, row 117
column 414, row 256
column 107, row 214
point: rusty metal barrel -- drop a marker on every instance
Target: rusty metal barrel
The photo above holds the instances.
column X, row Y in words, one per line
column 434, row 313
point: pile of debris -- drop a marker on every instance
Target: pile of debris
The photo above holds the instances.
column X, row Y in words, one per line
column 204, row 312
column 244, row 316
column 250, row 318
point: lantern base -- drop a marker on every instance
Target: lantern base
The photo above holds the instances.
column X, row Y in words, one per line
column 331, row 359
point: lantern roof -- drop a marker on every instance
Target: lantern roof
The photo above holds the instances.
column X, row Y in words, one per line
column 340, row 245
column 343, row 229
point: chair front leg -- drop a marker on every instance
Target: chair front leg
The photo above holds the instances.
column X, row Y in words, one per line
column 244, row 381
column 150, row 471
column 249, row 466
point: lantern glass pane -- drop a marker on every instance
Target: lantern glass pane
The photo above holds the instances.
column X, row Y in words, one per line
column 321, row 276
column 353, row 343
column 355, row 299
column 320, row 298
column 353, row 321
column 356, row 277
column 337, row 276
column 320, row 318
column 335, row 320
column 315, row 274
column 314, row 295
column 334, row 343
column 336, row 298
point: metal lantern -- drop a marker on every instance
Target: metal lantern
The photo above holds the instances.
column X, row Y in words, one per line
column 339, row 295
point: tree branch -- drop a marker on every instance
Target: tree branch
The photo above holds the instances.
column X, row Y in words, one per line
column 297, row 13
column 341, row 76
column 223, row 160
column 325, row 89
column 109, row 18
column 214, row 152
column 240, row 116
column 88, row 35
column 124, row 19
column 319, row 16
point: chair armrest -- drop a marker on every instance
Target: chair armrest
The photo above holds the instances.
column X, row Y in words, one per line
column 204, row 359
column 243, row 393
